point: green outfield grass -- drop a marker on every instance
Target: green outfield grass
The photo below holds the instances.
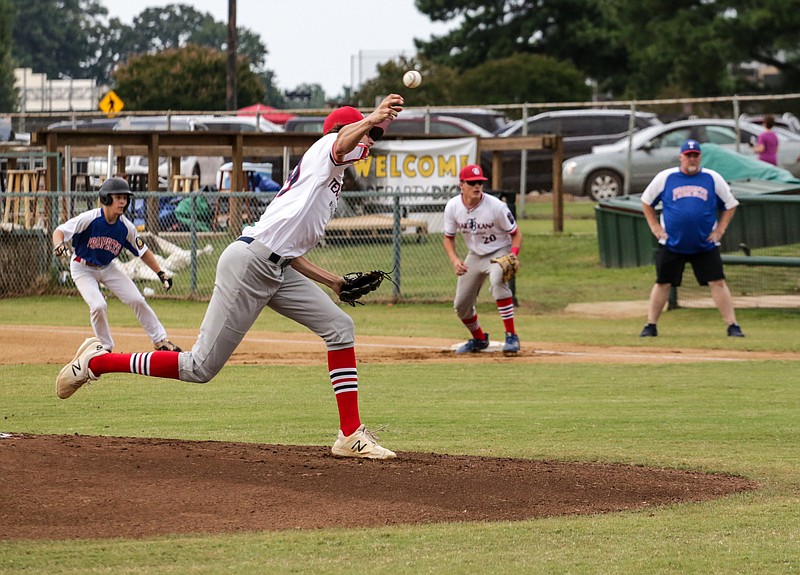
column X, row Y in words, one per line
column 728, row 417
column 736, row 417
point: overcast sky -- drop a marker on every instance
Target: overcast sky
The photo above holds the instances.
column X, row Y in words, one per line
column 334, row 44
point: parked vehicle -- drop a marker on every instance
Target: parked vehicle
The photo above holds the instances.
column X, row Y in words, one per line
column 233, row 124
column 407, row 123
column 583, row 128
column 786, row 120
column 491, row 120
column 410, row 123
column 600, row 174
column 580, row 129
column 305, row 124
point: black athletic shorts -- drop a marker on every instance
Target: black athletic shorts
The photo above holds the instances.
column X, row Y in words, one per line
column 707, row 266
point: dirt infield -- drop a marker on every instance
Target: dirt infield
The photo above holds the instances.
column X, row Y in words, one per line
column 56, row 346
column 64, row 487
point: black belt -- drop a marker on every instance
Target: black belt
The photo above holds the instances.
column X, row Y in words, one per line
column 273, row 257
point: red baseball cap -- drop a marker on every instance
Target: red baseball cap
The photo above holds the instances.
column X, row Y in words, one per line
column 471, row 172
column 341, row 117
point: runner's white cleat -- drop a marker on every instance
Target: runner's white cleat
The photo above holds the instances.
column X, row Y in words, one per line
column 73, row 375
column 362, row 443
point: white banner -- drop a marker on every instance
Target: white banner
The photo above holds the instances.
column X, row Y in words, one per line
column 427, row 170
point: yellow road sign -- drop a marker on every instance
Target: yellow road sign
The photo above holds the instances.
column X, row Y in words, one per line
column 111, row 104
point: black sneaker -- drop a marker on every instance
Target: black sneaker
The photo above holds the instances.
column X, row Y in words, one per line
column 649, row 330
column 734, row 330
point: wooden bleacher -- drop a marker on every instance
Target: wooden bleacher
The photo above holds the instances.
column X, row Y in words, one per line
column 374, row 227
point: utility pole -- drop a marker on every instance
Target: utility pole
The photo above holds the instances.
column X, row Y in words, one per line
column 230, row 100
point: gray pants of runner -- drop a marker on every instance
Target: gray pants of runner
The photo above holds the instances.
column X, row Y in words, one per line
column 469, row 285
column 245, row 284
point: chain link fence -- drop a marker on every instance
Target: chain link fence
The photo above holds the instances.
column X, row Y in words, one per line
column 395, row 232
column 386, row 231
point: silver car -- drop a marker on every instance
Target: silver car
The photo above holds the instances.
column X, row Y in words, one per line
column 601, row 174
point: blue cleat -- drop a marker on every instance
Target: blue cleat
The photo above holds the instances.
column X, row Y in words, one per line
column 512, row 343
column 474, row 345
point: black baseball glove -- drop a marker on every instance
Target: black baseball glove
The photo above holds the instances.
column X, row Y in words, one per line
column 358, row 284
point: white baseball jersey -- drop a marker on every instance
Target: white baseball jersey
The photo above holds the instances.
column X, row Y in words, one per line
column 295, row 221
column 486, row 228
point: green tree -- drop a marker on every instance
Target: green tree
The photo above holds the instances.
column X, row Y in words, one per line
column 521, row 78
column 516, row 79
column 766, row 31
column 190, row 78
column 437, row 88
column 57, row 37
column 578, row 31
column 634, row 48
column 8, row 94
column 177, row 25
column 673, row 50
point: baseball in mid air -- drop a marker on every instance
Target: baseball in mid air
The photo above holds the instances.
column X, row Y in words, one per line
column 412, row 79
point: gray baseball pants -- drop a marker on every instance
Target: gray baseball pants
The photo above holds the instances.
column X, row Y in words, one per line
column 247, row 282
column 469, row 285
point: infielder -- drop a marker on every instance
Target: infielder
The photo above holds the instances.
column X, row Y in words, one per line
column 266, row 267
column 97, row 237
column 489, row 231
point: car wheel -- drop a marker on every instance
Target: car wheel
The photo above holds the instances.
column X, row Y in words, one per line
column 603, row 184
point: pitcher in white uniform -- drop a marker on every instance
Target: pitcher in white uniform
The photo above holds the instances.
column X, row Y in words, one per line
column 489, row 231
column 266, row 267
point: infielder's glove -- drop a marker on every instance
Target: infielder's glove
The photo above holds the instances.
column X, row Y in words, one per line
column 358, row 284
column 166, row 280
column 62, row 250
column 510, row 265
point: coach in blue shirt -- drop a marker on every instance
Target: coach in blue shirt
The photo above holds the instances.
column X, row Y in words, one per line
column 688, row 231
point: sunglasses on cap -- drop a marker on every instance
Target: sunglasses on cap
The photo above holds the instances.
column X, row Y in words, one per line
column 474, row 182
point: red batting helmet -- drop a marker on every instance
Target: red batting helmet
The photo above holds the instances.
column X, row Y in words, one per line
column 341, row 117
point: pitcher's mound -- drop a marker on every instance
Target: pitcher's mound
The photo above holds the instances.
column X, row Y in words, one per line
column 65, row 487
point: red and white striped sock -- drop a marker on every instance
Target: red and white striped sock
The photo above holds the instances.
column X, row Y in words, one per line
column 506, row 308
column 344, row 378
column 474, row 327
column 153, row 363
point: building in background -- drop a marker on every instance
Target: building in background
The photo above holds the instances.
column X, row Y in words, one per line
column 38, row 93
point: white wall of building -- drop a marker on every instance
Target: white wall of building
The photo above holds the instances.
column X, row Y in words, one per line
column 38, row 93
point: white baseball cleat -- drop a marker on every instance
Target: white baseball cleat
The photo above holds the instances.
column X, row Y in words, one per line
column 361, row 443
column 77, row 372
